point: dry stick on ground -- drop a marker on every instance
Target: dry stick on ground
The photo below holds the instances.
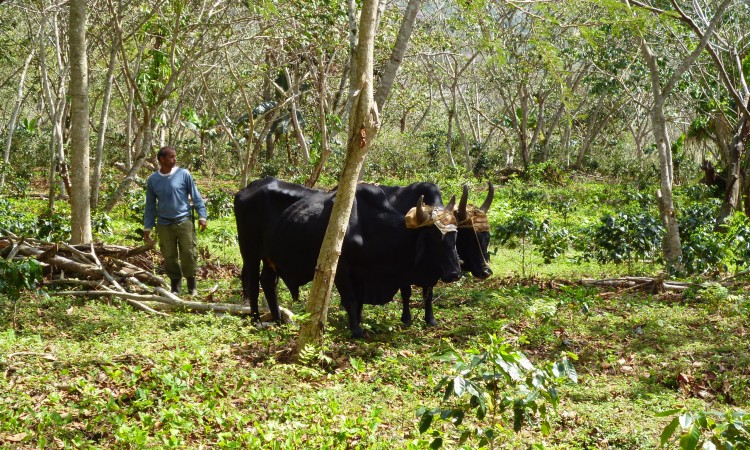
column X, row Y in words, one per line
column 634, row 283
column 119, row 288
column 47, row 356
column 89, row 265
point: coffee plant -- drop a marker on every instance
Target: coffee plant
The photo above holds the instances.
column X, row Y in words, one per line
column 707, row 430
column 496, row 384
column 628, row 238
column 219, row 204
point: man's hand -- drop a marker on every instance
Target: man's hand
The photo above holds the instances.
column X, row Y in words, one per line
column 147, row 236
column 202, row 224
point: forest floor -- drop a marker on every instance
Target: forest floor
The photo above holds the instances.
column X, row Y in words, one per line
column 97, row 374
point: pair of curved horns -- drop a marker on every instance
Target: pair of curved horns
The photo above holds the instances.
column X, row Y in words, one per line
column 462, row 214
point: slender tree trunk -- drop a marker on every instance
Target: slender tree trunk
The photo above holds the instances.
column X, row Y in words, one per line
column 103, row 118
column 145, row 138
column 523, row 127
column 736, row 176
column 325, row 148
column 55, row 111
column 14, row 115
column 397, row 55
column 80, row 207
column 363, row 127
column 671, row 242
column 294, row 88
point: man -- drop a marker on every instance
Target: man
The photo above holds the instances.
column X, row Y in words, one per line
column 167, row 204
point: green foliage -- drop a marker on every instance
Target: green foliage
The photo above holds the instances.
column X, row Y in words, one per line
column 737, row 230
column 47, row 227
column 624, row 237
column 19, row 276
column 551, row 243
column 704, row 251
column 496, row 384
column 101, row 224
column 707, row 430
column 219, row 203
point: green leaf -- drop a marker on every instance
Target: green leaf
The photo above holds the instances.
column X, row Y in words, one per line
column 670, row 412
column 690, row 439
column 686, row 420
column 437, row 443
column 708, row 445
column 426, row 421
column 570, row 370
column 669, row 430
column 459, row 385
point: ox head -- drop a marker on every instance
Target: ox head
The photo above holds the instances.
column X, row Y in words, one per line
column 436, row 242
column 473, row 237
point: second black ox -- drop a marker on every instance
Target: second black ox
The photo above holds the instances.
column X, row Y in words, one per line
column 472, row 241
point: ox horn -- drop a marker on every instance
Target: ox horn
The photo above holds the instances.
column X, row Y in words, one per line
column 490, row 195
column 422, row 216
column 451, row 204
column 461, row 214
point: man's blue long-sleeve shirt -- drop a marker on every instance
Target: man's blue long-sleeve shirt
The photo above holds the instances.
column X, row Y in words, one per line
column 167, row 198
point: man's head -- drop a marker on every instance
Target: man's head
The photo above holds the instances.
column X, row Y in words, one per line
column 167, row 157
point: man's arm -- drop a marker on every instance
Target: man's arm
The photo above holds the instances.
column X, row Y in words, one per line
column 199, row 204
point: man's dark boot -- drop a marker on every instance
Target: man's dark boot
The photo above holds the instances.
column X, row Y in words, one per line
column 176, row 285
column 191, row 285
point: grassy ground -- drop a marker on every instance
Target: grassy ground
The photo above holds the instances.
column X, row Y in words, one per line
column 95, row 374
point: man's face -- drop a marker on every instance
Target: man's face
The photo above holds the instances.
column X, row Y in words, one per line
column 168, row 161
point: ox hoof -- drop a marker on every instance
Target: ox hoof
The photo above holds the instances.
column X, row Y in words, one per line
column 406, row 320
column 431, row 322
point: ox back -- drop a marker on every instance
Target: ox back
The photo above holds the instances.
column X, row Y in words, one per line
column 257, row 210
column 378, row 256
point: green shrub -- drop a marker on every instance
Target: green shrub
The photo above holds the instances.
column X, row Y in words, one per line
column 496, row 384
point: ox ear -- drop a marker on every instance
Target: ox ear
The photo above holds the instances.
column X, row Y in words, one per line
column 461, row 213
column 422, row 216
column 451, row 204
column 488, row 201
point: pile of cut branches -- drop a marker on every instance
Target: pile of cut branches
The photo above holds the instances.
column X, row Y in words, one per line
column 107, row 270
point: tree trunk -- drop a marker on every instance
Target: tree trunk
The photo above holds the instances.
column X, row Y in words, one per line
column 325, row 148
column 103, row 118
column 736, row 176
column 671, row 245
column 80, row 208
column 363, row 127
column 397, row 55
column 144, row 135
column 523, row 126
column 14, row 115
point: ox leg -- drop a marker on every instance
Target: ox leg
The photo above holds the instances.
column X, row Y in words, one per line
column 406, row 308
column 356, row 318
column 429, row 317
column 269, row 280
column 251, row 286
column 350, row 302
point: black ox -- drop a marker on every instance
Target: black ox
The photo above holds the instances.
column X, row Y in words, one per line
column 472, row 241
column 379, row 254
column 257, row 210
